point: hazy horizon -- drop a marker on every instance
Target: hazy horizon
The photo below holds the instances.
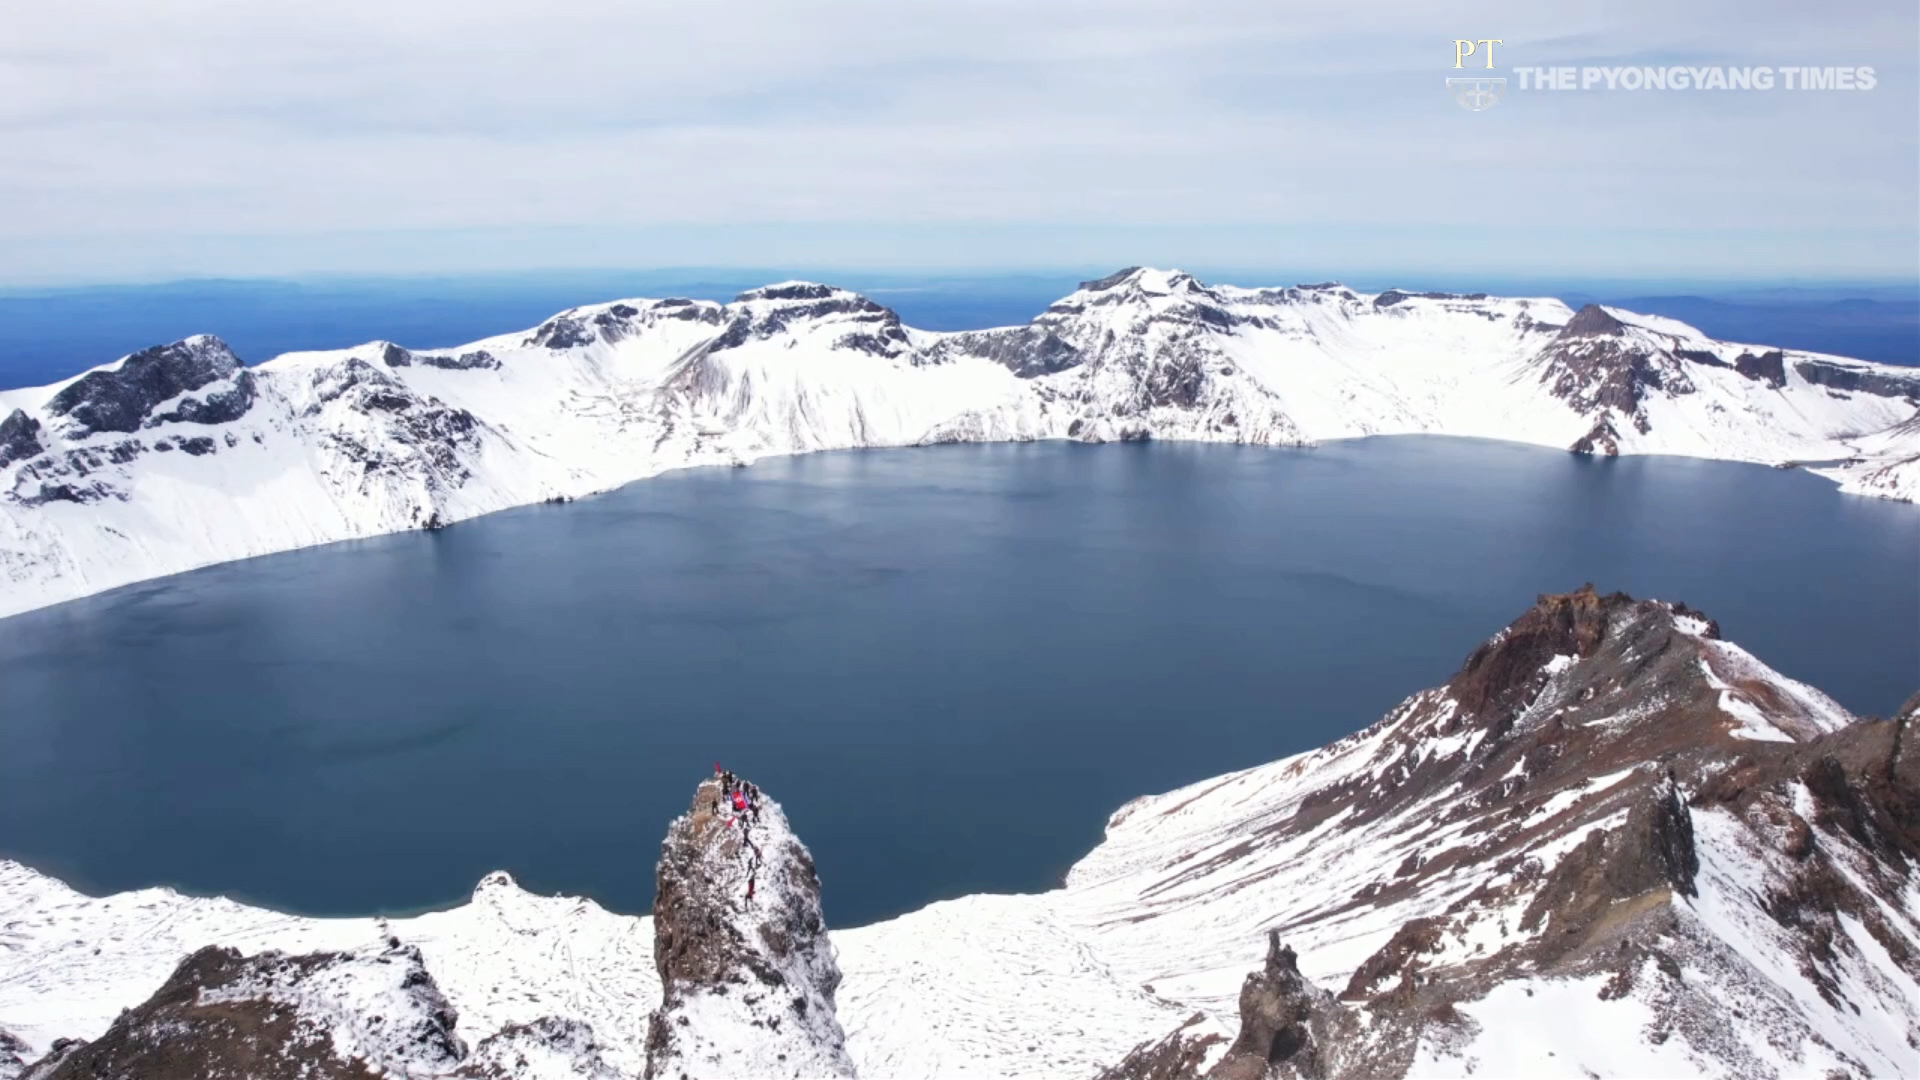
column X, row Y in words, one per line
column 217, row 137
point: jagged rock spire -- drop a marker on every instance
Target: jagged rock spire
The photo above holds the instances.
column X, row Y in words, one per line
column 747, row 973
column 1288, row 1026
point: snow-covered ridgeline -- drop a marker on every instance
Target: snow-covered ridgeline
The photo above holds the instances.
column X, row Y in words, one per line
column 1612, row 845
column 179, row 456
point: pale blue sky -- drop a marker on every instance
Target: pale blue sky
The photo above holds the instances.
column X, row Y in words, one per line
column 229, row 137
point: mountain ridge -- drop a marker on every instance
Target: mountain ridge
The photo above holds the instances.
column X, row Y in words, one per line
column 310, row 448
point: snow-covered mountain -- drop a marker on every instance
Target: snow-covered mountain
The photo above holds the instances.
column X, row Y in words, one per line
column 1612, row 845
column 179, row 456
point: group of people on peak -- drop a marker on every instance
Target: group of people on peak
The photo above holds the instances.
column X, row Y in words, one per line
column 740, row 795
column 744, row 800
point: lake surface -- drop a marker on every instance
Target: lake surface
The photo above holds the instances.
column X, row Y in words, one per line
column 950, row 664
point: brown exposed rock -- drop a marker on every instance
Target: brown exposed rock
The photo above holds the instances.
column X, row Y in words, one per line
column 1606, row 374
column 1500, row 673
column 1592, row 321
column 741, row 947
column 216, row 1019
column 1841, row 376
column 1769, row 367
column 1395, row 959
column 1178, row 1056
column 1288, row 1026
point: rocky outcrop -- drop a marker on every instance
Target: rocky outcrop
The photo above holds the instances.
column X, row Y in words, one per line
column 747, row 971
column 1858, row 378
column 1769, row 367
column 1593, row 321
column 1602, row 368
column 1182, row 1054
column 1395, row 296
column 854, row 321
column 385, row 435
column 477, row 360
column 19, row 438
column 323, row 1016
column 1027, row 351
column 13, row 1055
column 1288, row 1027
column 123, row 398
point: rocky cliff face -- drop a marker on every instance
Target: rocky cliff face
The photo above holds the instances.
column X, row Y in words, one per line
column 322, row 1016
column 197, row 380
column 747, row 971
column 1606, row 797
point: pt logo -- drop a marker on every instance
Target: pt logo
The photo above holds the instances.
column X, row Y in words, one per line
column 1479, row 93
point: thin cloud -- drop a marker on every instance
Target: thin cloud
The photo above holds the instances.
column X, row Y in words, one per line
column 214, row 117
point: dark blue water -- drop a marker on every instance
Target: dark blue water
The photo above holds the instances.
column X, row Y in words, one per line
column 950, row 664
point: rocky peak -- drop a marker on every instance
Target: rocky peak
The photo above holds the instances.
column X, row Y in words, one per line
column 1170, row 307
column 1607, row 371
column 1502, row 675
column 857, row 322
column 1593, row 321
column 747, row 972
column 322, row 1016
column 1135, row 284
column 19, row 438
column 1145, row 279
column 1568, row 624
column 583, row 326
column 1576, row 671
column 1117, row 278
column 123, row 398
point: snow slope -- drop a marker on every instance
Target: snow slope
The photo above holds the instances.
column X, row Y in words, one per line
column 1612, row 845
column 179, row 456
column 69, row 963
